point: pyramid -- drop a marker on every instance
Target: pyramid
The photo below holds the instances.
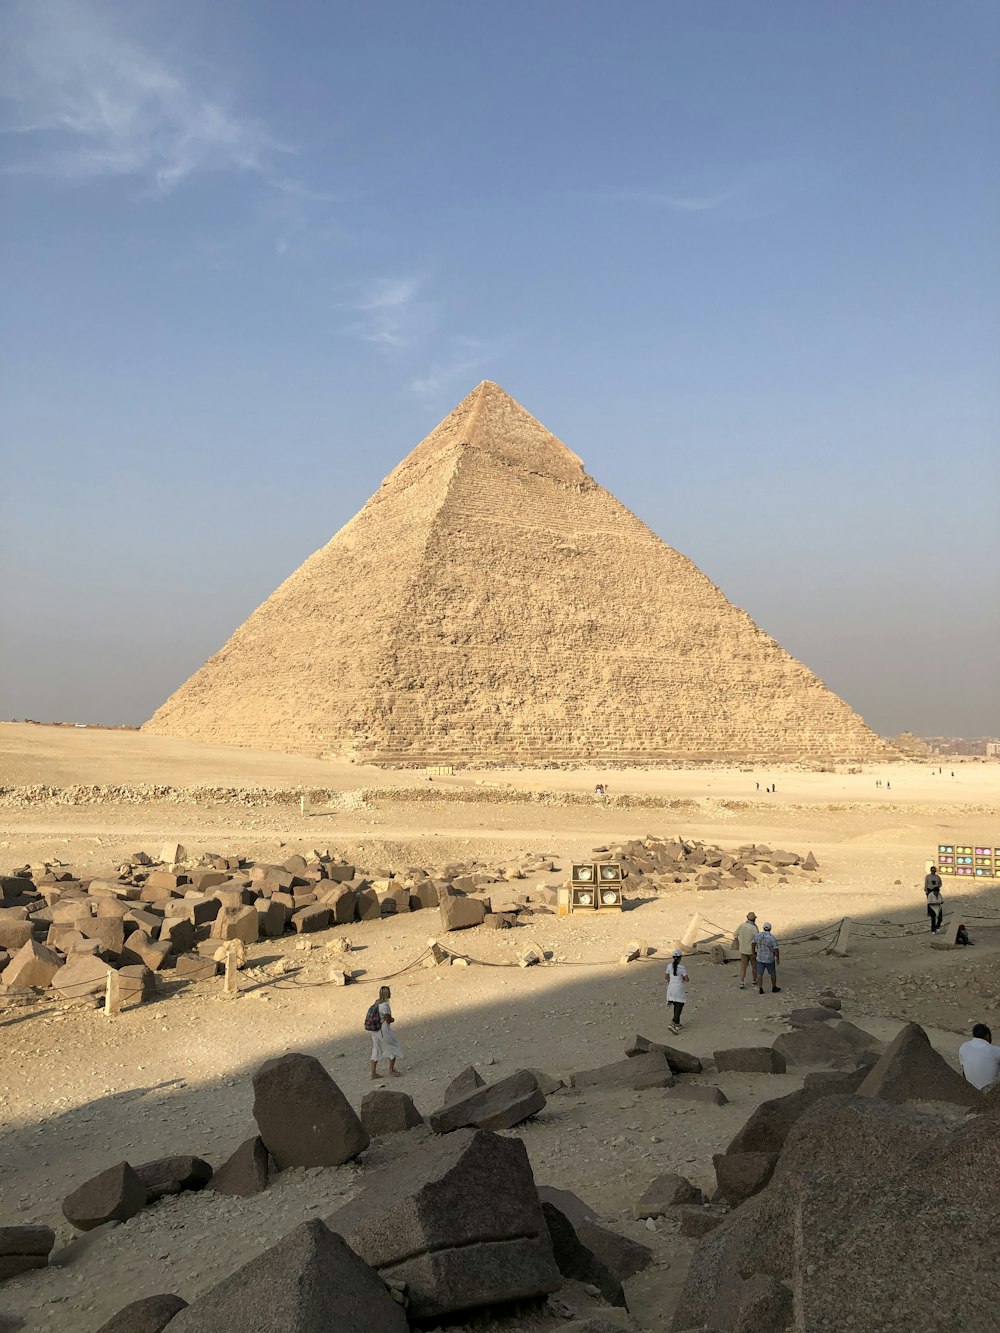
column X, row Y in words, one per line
column 492, row 603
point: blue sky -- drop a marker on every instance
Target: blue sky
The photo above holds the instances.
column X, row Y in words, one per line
column 741, row 257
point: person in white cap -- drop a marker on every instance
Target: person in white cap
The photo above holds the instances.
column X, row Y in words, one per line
column 677, row 978
column 765, row 953
column 743, row 941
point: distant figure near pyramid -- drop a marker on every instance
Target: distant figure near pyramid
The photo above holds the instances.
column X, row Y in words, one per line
column 492, row 603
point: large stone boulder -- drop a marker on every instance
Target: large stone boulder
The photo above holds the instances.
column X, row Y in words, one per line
column 151, row 1314
column 664, row 1193
column 82, row 976
column 310, row 1282
column 910, row 1070
column 464, row 1083
column 623, row 1256
column 172, row 1175
column 750, row 1060
column 769, row 1124
column 23, row 1248
column 803, row 1018
column 32, row 967
column 499, row 1105
column 680, row 1062
column 114, row 1195
column 303, row 1117
column 459, row 1221
column 637, row 1073
column 741, row 1174
column 816, row 1046
column 575, row 1261
column 386, row 1111
column 459, row 912
column 857, row 1199
column 245, row 1172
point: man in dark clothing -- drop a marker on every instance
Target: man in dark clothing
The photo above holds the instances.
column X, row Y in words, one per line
column 935, row 903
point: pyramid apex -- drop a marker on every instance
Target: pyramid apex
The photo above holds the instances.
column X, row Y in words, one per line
column 491, row 420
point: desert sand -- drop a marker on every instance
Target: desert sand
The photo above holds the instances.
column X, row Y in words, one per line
column 79, row 1091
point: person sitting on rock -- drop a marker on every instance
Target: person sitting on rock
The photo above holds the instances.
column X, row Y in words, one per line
column 766, row 956
column 962, row 935
column 979, row 1058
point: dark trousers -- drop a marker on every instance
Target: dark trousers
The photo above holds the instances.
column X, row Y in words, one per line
column 936, row 915
column 678, row 1006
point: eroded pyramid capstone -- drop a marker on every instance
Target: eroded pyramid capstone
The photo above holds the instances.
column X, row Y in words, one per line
column 492, row 602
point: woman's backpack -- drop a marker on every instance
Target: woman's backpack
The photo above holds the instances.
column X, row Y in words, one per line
column 373, row 1019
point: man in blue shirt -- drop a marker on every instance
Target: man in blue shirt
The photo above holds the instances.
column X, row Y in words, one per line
column 766, row 953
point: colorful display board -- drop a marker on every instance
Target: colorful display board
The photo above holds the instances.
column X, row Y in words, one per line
column 968, row 860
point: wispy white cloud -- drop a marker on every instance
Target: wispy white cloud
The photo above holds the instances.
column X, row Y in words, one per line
column 750, row 192
column 392, row 313
column 88, row 101
column 469, row 357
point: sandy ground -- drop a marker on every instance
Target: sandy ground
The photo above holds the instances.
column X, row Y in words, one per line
column 79, row 1091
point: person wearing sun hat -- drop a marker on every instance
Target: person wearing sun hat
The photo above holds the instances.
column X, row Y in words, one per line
column 743, row 943
column 677, row 978
column 765, row 955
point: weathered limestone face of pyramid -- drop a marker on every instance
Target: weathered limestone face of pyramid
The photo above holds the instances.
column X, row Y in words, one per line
column 492, row 603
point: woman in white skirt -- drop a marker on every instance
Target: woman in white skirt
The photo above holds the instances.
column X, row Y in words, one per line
column 384, row 1043
column 677, row 979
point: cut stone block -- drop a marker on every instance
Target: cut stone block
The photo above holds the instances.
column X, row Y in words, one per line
column 499, row 1105
column 310, row 1282
column 575, row 1261
column 741, row 1174
column 139, row 948
column 245, row 1172
column 680, row 1062
column 910, row 1070
column 114, row 1195
column 638, row 1072
column 459, row 1221
column 662, row 1194
column 750, row 1060
column 303, row 1117
column 14, row 933
column 458, row 913
column 173, row 1175
column 192, row 967
column 386, row 1111
column 34, row 966
column 151, row 1314
column 82, row 976
column 464, row 1083
column 308, row 919
column 236, row 923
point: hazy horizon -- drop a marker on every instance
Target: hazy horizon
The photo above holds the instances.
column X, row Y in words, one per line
column 742, row 260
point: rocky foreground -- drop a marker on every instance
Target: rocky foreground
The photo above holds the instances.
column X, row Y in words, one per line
column 826, row 1201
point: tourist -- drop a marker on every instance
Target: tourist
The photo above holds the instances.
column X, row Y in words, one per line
column 932, row 890
column 379, row 1022
column 766, row 957
column 743, row 942
column 935, row 910
column 677, row 978
column 962, row 936
column 979, row 1058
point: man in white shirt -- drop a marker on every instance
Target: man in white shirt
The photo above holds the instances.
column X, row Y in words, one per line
column 979, row 1058
column 743, row 941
